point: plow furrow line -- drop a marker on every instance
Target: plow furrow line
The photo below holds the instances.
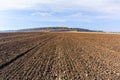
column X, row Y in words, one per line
column 22, row 54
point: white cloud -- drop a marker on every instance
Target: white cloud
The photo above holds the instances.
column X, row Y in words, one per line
column 106, row 9
column 106, row 6
column 59, row 4
column 44, row 14
column 20, row 4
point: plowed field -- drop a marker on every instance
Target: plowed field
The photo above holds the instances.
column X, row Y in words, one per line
column 59, row 56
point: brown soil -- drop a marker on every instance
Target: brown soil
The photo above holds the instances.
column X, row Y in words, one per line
column 59, row 56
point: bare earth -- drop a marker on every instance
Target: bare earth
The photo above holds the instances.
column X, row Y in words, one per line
column 59, row 56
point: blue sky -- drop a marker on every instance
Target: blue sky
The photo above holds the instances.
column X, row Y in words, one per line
column 91, row 14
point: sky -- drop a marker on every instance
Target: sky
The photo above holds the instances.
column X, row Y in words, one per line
column 91, row 14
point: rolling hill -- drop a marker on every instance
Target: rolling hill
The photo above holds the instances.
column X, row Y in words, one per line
column 55, row 29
